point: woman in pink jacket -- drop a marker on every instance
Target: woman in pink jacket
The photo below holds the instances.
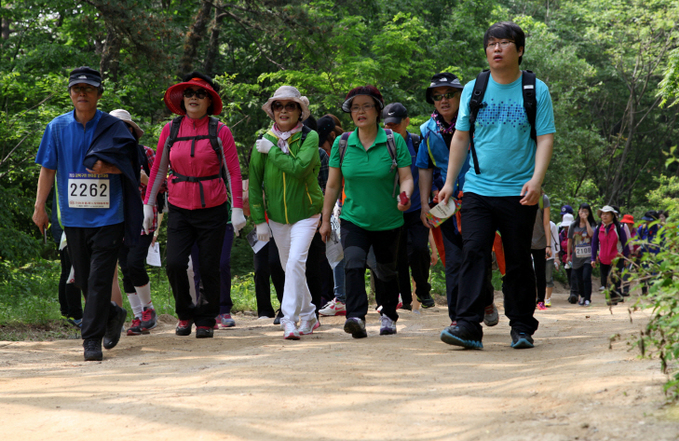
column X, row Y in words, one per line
column 202, row 155
column 609, row 245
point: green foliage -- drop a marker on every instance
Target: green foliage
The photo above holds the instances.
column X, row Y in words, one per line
column 661, row 272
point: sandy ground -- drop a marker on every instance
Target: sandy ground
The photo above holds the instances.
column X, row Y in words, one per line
column 249, row 384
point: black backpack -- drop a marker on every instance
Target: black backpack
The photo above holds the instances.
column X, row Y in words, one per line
column 391, row 146
column 530, row 105
column 213, row 131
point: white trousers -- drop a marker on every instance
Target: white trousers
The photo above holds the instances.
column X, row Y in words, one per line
column 293, row 241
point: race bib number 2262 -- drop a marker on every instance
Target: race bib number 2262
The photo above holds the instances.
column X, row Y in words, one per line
column 86, row 190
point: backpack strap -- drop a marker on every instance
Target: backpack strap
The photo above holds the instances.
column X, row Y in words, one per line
column 344, row 139
column 530, row 103
column 416, row 142
column 475, row 104
column 305, row 131
column 391, row 146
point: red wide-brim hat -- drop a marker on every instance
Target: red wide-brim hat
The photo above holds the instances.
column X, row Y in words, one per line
column 175, row 94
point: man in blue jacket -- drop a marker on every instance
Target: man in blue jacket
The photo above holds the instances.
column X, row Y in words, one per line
column 94, row 200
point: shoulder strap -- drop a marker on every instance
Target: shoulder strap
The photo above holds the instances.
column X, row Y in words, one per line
column 530, row 103
column 391, row 146
column 416, row 142
column 174, row 130
column 475, row 104
column 305, row 132
column 343, row 147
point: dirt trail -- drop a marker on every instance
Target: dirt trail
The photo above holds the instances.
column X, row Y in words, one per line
column 249, row 384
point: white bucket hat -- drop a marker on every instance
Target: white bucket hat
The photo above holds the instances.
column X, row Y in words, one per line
column 124, row 115
column 288, row 93
column 606, row 209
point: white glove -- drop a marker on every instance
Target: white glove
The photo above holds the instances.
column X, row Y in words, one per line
column 148, row 218
column 263, row 232
column 263, row 145
column 237, row 219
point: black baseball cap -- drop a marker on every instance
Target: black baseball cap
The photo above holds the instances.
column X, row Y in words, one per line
column 326, row 125
column 394, row 113
column 86, row 75
column 443, row 79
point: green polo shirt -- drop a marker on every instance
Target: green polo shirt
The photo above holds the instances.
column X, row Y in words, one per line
column 369, row 181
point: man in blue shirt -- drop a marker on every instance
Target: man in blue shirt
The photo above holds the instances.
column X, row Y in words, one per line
column 505, row 192
column 413, row 247
column 90, row 203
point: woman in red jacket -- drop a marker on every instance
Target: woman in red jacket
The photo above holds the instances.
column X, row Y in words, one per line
column 204, row 160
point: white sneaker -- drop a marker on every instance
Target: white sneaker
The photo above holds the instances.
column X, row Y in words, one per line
column 290, row 331
column 307, row 326
column 334, row 307
column 388, row 326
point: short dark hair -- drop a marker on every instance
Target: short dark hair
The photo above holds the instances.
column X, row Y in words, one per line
column 508, row 30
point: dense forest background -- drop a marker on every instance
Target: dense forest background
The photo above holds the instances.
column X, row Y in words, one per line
column 612, row 67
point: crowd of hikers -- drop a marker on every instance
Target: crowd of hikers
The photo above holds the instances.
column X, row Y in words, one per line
column 327, row 205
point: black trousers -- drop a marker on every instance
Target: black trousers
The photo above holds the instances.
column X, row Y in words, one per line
column 482, row 216
column 132, row 262
column 317, row 269
column 70, row 303
column 413, row 252
column 205, row 227
column 268, row 267
column 94, row 254
column 614, row 280
column 539, row 264
column 582, row 281
column 452, row 244
column 356, row 242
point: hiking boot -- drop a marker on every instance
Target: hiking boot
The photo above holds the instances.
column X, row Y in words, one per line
column 333, row 307
column 427, row 302
column 184, row 327
column 614, row 299
column 204, row 332
column 279, row 316
column 92, row 348
column 388, row 326
column 149, row 319
column 290, row 331
column 114, row 327
column 307, row 326
column 573, row 298
column 135, row 327
column 491, row 317
column 521, row 340
column 225, row 321
column 408, row 307
column 458, row 336
column 356, row 327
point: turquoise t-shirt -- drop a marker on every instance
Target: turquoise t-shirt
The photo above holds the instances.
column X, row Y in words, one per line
column 504, row 148
column 369, row 181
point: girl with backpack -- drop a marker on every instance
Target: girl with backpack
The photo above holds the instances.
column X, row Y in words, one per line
column 579, row 252
column 204, row 160
column 370, row 160
column 608, row 244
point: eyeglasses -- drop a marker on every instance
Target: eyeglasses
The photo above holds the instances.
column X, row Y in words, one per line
column 448, row 96
column 290, row 106
column 86, row 89
column 200, row 93
column 503, row 44
column 364, row 107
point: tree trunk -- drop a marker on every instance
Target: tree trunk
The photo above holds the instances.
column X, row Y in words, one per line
column 213, row 46
column 193, row 38
column 110, row 57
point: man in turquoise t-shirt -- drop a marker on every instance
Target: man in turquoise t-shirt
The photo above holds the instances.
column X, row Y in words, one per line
column 504, row 193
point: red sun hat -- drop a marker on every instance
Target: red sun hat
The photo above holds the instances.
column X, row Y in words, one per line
column 175, row 95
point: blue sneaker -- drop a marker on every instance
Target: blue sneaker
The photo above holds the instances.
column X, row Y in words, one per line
column 457, row 336
column 521, row 340
column 225, row 321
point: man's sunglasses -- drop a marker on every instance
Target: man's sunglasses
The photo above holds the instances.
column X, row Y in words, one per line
column 449, row 95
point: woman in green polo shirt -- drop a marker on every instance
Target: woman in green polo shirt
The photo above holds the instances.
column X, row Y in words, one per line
column 285, row 165
column 372, row 214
